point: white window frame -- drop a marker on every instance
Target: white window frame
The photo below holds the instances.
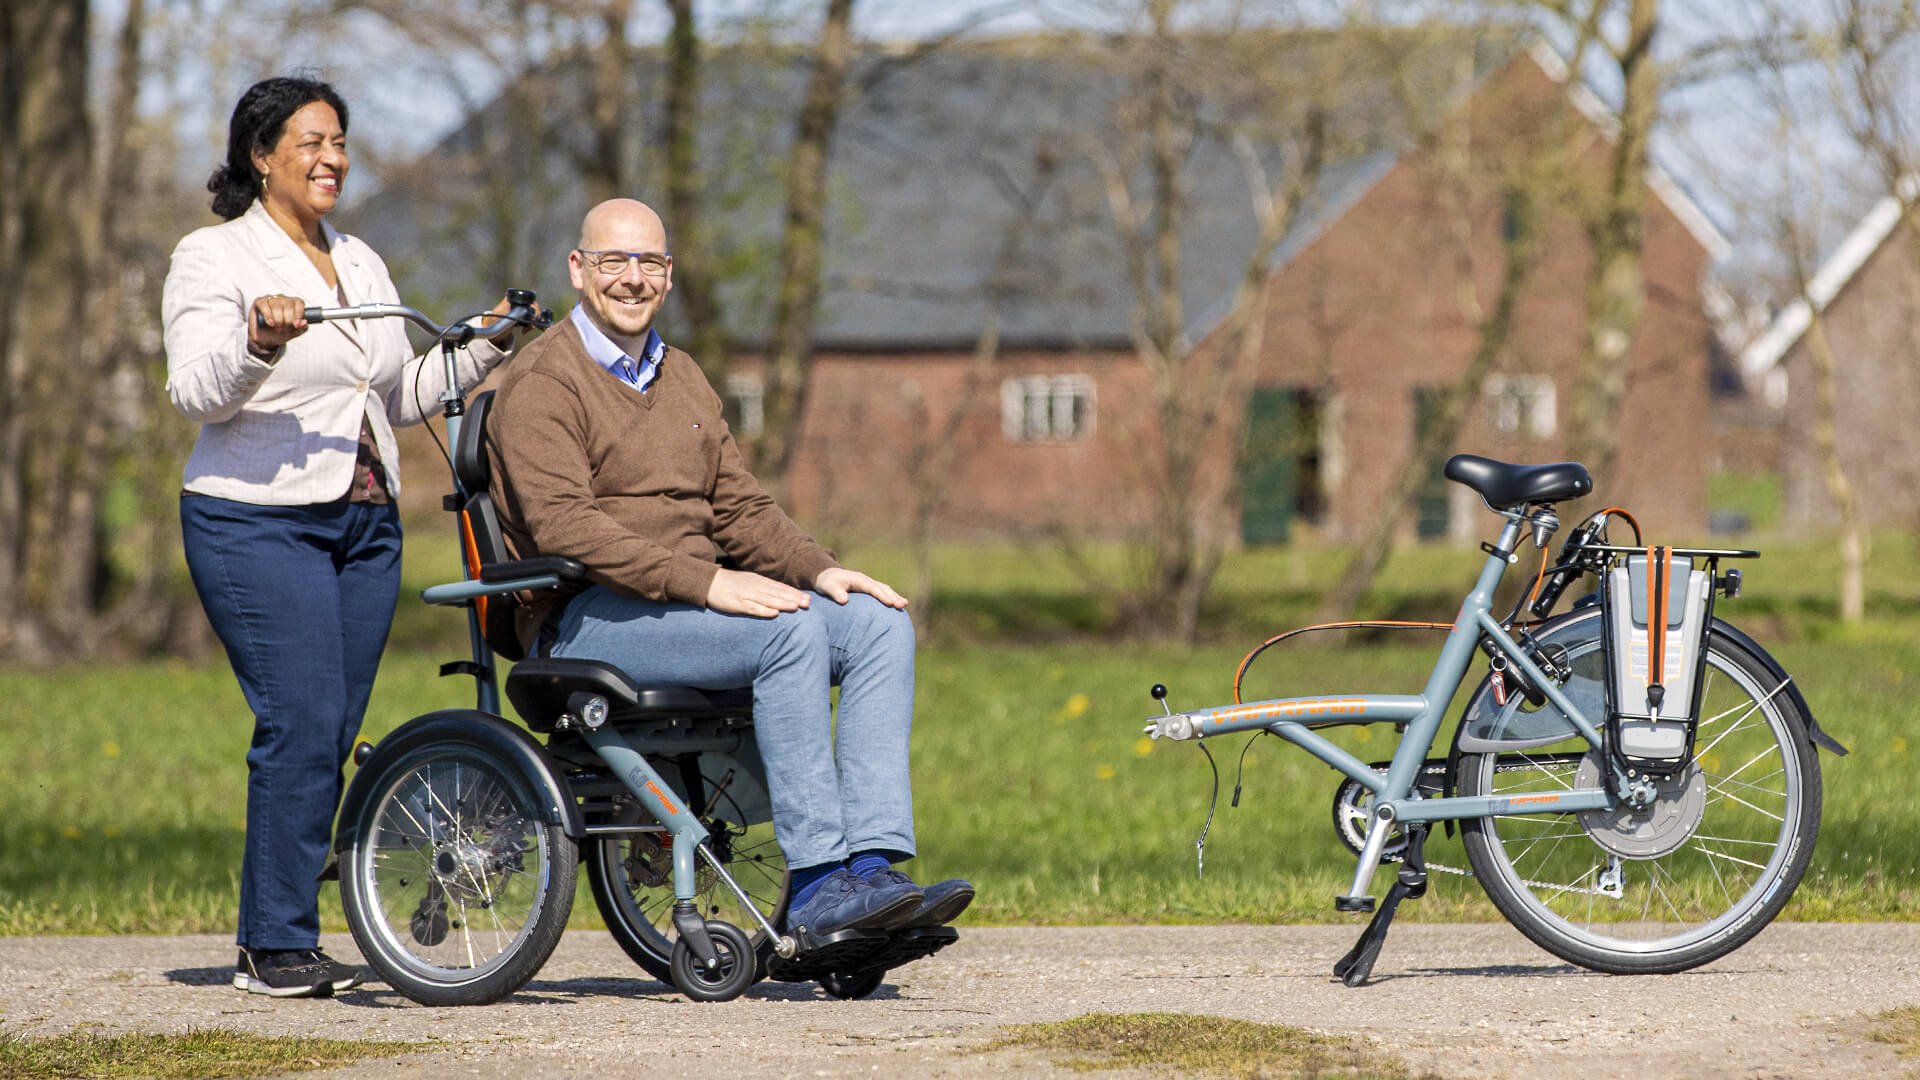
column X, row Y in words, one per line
column 1047, row 408
column 1523, row 405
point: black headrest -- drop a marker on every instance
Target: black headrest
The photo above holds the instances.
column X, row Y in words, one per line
column 470, row 446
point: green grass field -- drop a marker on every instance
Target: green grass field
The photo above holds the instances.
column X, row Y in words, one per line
column 125, row 802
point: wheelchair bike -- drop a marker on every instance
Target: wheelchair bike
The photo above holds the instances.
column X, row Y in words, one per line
column 461, row 834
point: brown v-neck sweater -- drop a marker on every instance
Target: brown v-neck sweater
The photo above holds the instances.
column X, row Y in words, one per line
column 645, row 490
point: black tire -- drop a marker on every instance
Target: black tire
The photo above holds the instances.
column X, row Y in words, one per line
column 1685, row 883
column 631, row 875
column 738, row 965
column 848, row 985
column 455, row 888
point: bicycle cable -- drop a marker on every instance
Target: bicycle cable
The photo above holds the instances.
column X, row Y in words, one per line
column 1368, row 624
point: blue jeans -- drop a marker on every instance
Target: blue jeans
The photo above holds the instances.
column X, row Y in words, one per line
column 834, row 790
column 302, row 597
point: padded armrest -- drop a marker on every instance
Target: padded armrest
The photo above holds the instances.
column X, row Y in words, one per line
column 564, row 568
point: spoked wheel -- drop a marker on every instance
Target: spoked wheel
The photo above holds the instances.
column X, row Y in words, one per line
column 729, row 979
column 848, row 985
column 1685, row 881
column 456, row 890
column 632, row 879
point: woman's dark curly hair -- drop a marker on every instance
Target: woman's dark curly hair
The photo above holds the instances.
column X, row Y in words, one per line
column 257, row 123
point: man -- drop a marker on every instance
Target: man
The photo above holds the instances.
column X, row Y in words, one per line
column 608, row 447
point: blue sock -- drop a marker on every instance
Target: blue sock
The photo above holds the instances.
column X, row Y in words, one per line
column 867, row 863
column 805, row 881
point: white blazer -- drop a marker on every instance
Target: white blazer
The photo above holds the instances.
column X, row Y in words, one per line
column 287, row 434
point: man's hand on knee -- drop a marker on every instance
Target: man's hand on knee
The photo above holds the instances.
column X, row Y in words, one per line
column 838, row 583
column 737, row 592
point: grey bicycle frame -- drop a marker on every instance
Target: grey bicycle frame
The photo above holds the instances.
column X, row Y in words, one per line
column 627, row 762
column 1394, row 796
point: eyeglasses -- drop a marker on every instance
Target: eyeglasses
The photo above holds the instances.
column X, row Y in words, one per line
column 614, row 263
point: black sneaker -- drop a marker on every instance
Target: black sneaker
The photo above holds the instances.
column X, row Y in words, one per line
column 340, row 976
column 282, row 973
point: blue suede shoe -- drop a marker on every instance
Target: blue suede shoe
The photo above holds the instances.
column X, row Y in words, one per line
column 941, row 902
column 845, row 901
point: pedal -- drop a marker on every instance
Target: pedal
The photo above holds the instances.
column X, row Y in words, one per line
column 823, row 954
column 1361, row 904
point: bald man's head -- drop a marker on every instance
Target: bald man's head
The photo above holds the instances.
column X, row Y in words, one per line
column 622, row 270
column 622, row 217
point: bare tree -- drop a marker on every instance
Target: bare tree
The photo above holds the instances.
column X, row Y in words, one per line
column 1615, row 223
column 802, row 244
column 1467, row 170
column 694, row 278
column 1197, row 387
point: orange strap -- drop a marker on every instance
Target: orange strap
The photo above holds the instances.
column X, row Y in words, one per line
column 471, row 550
column 1659, row 565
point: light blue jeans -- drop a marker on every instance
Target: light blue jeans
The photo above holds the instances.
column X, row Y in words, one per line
column 836, row 789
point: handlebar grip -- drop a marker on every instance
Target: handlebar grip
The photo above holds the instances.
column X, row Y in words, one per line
column 312, row 314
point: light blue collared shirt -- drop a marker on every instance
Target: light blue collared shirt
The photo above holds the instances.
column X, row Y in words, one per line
column 639, row 373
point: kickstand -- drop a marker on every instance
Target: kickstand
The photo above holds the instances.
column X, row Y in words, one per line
column 1354, row 967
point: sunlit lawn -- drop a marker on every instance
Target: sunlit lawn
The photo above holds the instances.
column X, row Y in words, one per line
column 124, row 806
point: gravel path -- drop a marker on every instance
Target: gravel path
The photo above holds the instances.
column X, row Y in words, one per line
column 1462, row 1001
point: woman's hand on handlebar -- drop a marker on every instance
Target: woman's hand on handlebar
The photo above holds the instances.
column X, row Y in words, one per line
column 504, row 339
column 276, row 320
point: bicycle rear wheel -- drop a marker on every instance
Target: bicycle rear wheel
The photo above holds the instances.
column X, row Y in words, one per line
column 1687, row 880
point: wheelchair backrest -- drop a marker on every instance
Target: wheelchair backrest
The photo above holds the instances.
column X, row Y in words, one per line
column 481, row 543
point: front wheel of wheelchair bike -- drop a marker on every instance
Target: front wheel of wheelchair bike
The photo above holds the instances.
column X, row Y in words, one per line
column 1685, row 881
column 631, row 875
column 738, row 967
column 454, row 886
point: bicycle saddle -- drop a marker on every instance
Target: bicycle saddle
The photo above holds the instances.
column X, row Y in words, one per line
column 1505, row 486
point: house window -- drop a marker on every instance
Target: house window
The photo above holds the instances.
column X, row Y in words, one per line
column 1522, row 405
column 1046, row 407
column 746, row 403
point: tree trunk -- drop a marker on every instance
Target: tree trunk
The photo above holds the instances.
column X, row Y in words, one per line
column 694, row 274
column 801, row 241
column 1853, row 538
column 1616, row 291
column 51, row 392
column 606, row 166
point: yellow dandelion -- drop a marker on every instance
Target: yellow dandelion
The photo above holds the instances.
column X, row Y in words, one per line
column 1078, row 704
column 71, row 832
column 1362, row 734
column 1105, row 772
column 110, row 749
column 1142, row 746
column 1899, row 744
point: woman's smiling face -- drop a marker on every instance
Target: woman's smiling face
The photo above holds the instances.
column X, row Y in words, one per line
column 307, row 169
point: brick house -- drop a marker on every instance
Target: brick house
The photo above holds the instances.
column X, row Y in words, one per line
column 1868, row 296
column 1360, row 322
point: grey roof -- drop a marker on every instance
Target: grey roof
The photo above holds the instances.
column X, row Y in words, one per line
column 933, row 159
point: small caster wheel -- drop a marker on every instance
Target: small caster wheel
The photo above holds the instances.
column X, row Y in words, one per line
column 847, row 985
column 736, row 971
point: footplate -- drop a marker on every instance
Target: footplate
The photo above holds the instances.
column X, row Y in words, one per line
column 847, row 950
column 906, row 946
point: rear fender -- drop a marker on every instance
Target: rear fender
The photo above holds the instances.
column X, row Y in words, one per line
column 509, row 741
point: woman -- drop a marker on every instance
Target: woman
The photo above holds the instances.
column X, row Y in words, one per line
column 287, row 516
